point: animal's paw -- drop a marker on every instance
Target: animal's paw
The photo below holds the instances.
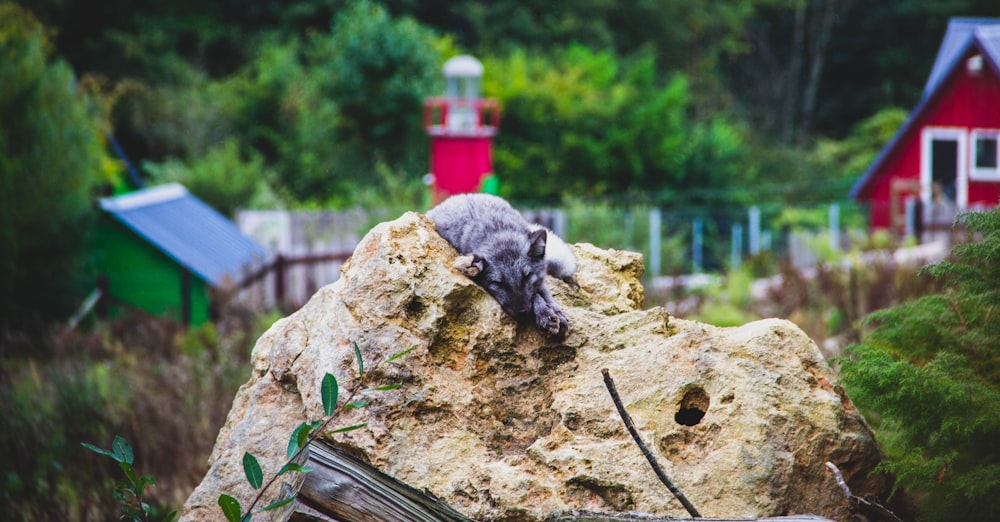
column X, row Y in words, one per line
column 552, row 321
column 467, row 265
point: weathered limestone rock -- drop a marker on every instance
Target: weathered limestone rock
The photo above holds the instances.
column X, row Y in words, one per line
column 505, row 424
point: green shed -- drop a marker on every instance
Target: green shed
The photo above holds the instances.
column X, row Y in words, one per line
column 162, row 250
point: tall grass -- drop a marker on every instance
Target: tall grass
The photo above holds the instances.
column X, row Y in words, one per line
column 165, row 389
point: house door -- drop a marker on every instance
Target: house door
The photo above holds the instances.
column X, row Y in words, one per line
column 944, row 168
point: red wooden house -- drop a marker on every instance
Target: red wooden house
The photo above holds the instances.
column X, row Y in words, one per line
column 945, row 157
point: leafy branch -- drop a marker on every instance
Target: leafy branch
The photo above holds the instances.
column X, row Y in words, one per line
column 301, row 437
column 129, row 492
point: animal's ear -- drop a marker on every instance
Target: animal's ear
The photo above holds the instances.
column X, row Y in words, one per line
column 471, row 266
column 537, row 249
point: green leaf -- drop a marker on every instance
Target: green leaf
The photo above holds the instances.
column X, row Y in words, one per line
column 97, row 450
column 399, row 355
column 252, row 469
column 298, row 439
column 145, row 480
column 355, row 405
column 387, row 387
column 133, row 479
column 361, row 362
column 294, row 466
column 329, row 393
column 230, row 507
column 279, row 503
column 171, row 517
column 122, row 451
column 350, row 428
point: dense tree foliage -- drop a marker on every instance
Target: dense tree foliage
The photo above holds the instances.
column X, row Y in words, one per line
column 317, row 103
column 928, row 375
column 326, row 93
column 591, row 124
column 51, row 156
column 316, row 115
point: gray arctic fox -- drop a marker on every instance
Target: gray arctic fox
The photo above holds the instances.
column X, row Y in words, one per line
column 506, row 255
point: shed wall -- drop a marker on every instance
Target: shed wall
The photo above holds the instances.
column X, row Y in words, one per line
column 144, row 277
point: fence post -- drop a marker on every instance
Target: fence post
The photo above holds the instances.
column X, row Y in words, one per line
column 279, row 280
column 654, row 241
column 696, row 242
column 104, row 301
column 835, row 227
column 754, row 230
column 736, row 252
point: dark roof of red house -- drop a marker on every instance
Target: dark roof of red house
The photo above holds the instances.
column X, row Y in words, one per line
column 962, row 34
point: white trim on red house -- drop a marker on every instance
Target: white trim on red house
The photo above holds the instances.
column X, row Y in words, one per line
column 988, row 173
column 959, row 134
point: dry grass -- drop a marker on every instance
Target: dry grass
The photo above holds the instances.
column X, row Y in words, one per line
column 166, row 390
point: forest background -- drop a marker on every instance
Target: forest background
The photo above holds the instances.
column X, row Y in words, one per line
column 317, row 104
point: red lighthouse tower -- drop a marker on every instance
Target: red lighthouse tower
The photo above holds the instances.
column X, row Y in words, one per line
column 461, row 126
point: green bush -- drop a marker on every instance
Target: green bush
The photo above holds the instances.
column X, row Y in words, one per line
column 593, row 124
column 222, row 178
column 165, row 389
column 46, row 409
column 928, row 374
column 51, row 160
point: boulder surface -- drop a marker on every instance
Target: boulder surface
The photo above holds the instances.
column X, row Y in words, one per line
column 505, row 423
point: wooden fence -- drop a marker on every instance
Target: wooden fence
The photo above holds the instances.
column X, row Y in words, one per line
column 307, row 251
column 272, row 284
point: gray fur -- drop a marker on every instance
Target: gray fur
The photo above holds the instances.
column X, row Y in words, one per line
column 559, row 259
column 505, row 255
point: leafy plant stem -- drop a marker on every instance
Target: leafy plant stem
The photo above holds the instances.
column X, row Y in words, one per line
column 359, row 387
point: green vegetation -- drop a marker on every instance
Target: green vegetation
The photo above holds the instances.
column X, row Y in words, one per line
column 609, row 109
column 51, row 160
column 590, row 124
column 928, row 377
column 318, row 103
column 303, row 435
column 165, row 390
column 129, row 492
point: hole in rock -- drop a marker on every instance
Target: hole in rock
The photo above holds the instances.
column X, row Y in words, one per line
column 692, row 408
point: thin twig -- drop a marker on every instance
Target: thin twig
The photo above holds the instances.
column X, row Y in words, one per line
column 642, row 446
column 856, row 503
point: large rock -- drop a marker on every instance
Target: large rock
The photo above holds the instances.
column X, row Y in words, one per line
column 506, row 424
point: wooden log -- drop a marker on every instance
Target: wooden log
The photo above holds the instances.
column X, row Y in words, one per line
column 592, row 516
column 342, row 487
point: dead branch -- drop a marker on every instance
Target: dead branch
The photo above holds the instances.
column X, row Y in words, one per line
column 610, row 384
column 856, row 503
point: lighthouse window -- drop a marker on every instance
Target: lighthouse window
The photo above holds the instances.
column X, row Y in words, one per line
column 986, row 154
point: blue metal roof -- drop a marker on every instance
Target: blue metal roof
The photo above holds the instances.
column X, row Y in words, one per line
column 187, row 230
column 957, row 38
column 962, row 33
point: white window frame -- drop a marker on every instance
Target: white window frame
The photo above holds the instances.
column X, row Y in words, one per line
column 988, row 173
column 927, row 137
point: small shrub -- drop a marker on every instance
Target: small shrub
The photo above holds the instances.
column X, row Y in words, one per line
column 928, row 374
column 145, row 378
